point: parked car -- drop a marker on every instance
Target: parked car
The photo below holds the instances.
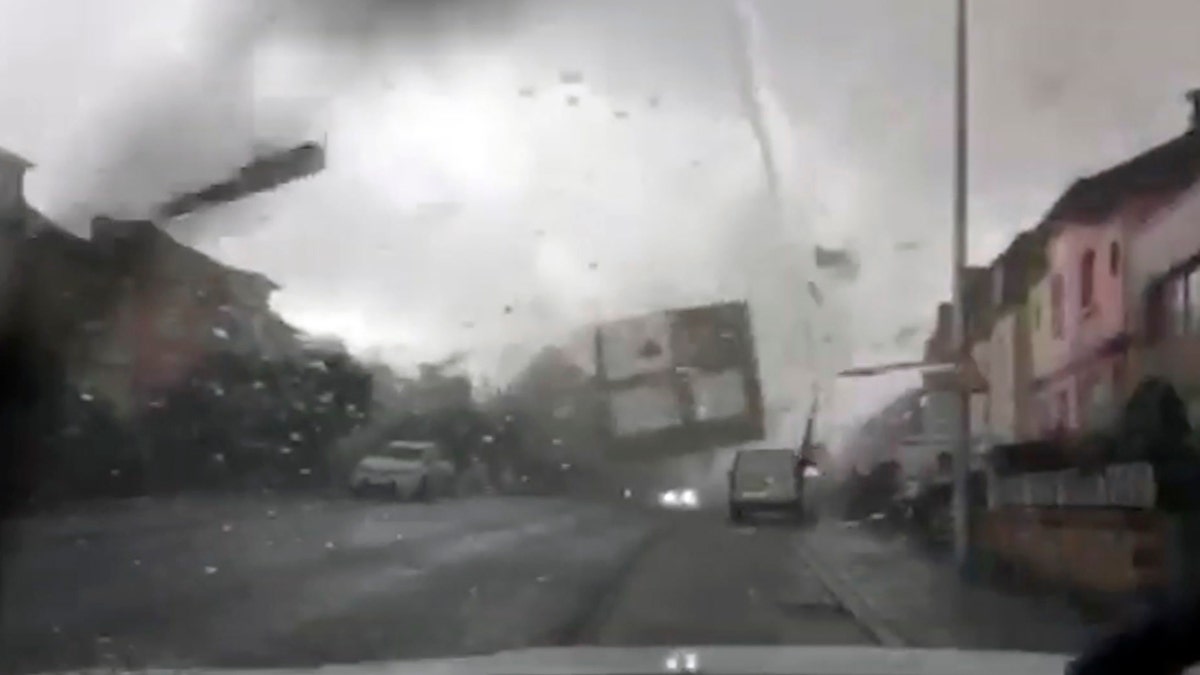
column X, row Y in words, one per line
column 413, row 470
column 765, row 480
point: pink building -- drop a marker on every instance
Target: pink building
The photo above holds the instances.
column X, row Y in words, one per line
column 1089, row 229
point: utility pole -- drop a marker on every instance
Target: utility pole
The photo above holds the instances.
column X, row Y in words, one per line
column 962, row 346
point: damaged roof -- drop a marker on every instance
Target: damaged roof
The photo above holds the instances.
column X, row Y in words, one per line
column 1167, row 168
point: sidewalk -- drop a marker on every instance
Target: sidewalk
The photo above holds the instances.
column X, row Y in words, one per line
column 909, row 598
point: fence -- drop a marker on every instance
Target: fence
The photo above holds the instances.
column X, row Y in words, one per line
column 1115, row 530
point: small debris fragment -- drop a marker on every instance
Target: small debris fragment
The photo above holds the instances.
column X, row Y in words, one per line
column 227, row 528
column 210, row 569
column 573, row 101
column 570, row 77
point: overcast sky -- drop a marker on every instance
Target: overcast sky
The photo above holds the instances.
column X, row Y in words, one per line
column 475, row 199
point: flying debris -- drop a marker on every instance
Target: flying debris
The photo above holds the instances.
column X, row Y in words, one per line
column 906, row 334
column 839, row 261
column 526, row 92
column 572, row 101
column 652, row 101
column 815, row 292
column 908, row 246
column 263, row 174
column 621, row 114
column 570, row 77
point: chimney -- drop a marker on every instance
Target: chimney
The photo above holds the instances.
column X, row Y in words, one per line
column 12, row 185
column 1193, row 97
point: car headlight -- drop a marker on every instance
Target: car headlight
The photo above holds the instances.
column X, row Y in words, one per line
column 811, row 472
column 688, row 498
column 669, row 498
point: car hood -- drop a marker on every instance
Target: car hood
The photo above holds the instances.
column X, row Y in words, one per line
column 725, row 660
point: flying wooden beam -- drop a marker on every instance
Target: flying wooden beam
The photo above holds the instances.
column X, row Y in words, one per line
column 263, row 174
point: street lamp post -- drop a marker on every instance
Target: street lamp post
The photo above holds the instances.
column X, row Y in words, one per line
column 962, row 449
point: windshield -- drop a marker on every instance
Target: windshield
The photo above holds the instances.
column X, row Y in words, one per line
column 929, row 267
column 405, row 452
column 770, row 461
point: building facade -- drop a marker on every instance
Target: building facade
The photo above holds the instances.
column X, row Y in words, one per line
column 1089, row 230
column 1163, row 287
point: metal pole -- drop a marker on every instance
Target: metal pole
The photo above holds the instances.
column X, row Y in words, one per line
column 962, row 450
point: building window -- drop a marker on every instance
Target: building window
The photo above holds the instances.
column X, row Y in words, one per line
column 1192, row 327
column 1174, row 308
column 1056, row 305
column 1177, row 302
column 1114, row 258
column 1087, row 273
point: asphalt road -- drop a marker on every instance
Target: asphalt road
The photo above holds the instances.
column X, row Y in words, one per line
column 299, row 583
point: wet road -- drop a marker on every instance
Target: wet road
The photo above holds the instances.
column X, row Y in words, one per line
column 310, row 582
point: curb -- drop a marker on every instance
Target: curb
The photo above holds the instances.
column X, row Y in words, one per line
column 854, row 603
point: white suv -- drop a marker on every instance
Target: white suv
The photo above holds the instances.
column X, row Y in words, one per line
column 415, row 470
